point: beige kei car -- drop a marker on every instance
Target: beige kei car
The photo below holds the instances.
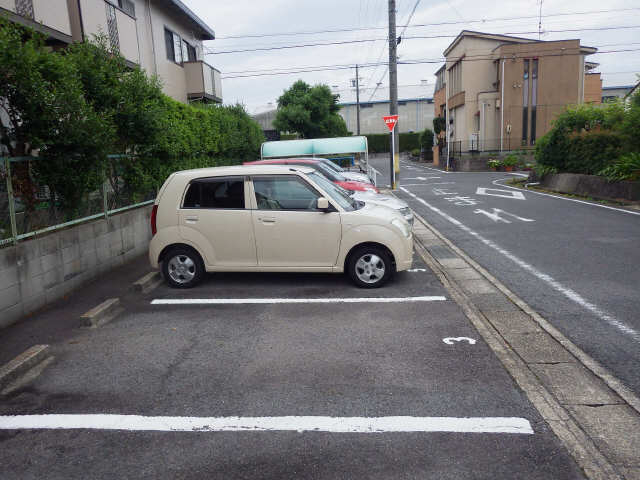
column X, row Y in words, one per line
column 272, row 218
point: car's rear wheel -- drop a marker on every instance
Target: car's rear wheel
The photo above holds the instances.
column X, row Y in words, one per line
column 370, row 267
column 182, row 267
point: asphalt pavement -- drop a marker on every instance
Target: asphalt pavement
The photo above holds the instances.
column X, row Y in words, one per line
column 576, row 263
column 294, row 356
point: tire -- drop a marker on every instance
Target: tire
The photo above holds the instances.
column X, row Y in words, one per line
column 182, row 267
column 365, row 264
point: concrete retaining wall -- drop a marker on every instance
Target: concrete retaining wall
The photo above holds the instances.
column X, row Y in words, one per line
column 39, row 271
column 592, row 186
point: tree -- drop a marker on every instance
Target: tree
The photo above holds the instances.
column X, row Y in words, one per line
column 310, row 111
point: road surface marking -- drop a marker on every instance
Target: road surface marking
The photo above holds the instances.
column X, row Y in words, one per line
column 567, row 292
column 246, row 301
column 252, row 424
column 420, row 178
column 426, row 184
column 495, row 216
column 503, row 193
column 559, row 197
column 413, row 270
column 450, row 340
column 462, row 200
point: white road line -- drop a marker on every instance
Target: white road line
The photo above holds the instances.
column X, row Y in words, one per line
column 565, row 198
column 567, row 292
column 246, row 301
column 252, row 424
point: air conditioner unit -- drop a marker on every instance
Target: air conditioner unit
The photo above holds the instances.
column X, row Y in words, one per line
column 498, row 103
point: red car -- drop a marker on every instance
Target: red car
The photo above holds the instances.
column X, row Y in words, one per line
column 335, row 177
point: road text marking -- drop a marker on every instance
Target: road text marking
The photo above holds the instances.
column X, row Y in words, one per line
column 245, row 301
column 450, row 340
column 252, row 424
column 567, row 292
column 502, row 193
column 495, row 216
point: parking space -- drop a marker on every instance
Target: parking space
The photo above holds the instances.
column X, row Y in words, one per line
column 400, row 386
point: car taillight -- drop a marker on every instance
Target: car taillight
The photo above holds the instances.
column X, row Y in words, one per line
column 154, row 213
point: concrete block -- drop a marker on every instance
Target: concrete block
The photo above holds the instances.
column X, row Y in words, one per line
column 28, row 251
column 494, row 302
column 89, row 260
column 69, row 237
column 464, row 274
column 52, row 278
column 631, row 473
column 72, row 269
column 101, row 313
column 22, row 363
column 573, row 384
column 85, row 232
column 477, row 287
column 128, row 237
column 51, row 261
column 7, row 257
column 31, row 285
column 148, row 282
column 615, row 429
column 537, row 348
column 513, row 322
column 103, row 249
column 100, row 227
column 49, row 244
column 11, row 315
column 56, row 292
column 8, row 277
column 9, row 296
column 453, row 263
column 71, row 253
column 113, row 224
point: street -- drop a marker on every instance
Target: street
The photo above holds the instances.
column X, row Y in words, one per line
column 283, row 366
column 574, row 262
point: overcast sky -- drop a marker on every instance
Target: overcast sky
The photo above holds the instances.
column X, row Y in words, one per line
column 251, row 17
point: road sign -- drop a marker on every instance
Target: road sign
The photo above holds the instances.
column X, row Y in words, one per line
column 390, row 121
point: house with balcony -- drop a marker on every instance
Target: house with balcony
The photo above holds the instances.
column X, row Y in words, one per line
column 163, row 37
column 503, row 92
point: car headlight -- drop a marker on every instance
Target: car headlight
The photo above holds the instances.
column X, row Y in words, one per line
column 402, row 226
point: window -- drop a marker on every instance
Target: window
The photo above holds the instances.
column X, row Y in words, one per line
column 366, row 105
column 24, row 8
column 525, row 101
column 216, row 193
column 284, row 193
column 173, row 43
column 534, row 98
column 455, row 79
column 127, row 6
column 112, row 27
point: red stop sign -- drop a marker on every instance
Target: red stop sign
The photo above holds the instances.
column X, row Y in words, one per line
column 390, row 121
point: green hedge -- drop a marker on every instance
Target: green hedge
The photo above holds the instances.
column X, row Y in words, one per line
column 381, row 142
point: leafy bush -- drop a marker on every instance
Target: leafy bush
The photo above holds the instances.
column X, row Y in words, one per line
column 494, row 163
column 415, row 152
column 439, row 125
column 510, row 160
column 542, row 170
column 627, row 167
column 426, row 140
column 381, row 142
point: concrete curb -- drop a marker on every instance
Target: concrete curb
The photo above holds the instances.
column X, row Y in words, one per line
column 147, row 283
column 534, row 364
column 21, row 364
column 102, row 314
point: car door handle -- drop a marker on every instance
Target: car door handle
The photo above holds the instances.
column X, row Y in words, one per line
column 267, row 220
column 191, row 219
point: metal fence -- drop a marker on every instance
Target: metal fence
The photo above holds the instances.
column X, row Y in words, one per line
column 23, row 216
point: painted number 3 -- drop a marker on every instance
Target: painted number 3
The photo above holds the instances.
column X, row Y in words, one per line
column 450, row 340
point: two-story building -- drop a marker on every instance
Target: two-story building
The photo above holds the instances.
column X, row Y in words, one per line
column 164, row 37
column 503, row 92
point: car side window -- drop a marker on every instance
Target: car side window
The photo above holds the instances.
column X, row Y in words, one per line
column 284, row 193
column 215, row 193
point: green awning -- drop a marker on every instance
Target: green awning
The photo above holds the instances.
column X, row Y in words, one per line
column 316, row 146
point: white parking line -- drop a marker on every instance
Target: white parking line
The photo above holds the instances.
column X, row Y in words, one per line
column 246, row 301
column 559, row 197
column 567, row 292
column 252, row 424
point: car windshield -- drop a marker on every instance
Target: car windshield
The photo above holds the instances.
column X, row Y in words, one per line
column 330, row 164
column 328, row 172
column 335, row 192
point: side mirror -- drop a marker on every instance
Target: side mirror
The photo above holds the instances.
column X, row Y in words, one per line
column 323, row 204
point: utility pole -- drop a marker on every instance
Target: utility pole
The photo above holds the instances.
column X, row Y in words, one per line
column 394, row 161
column 357, row 100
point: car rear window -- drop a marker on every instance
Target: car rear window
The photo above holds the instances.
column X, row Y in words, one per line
column 217, row 193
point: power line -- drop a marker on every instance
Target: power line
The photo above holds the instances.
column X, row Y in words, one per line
column 468, row 58
column 345, row 42
column 483, row 20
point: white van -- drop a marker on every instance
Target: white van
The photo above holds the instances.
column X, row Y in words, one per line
column 272, row 218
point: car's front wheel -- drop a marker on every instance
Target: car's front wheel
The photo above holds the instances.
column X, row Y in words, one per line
column 369, row 267
column 182, row 268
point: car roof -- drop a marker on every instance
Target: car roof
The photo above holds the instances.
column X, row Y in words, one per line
column 239, row 170
column 278, row 161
